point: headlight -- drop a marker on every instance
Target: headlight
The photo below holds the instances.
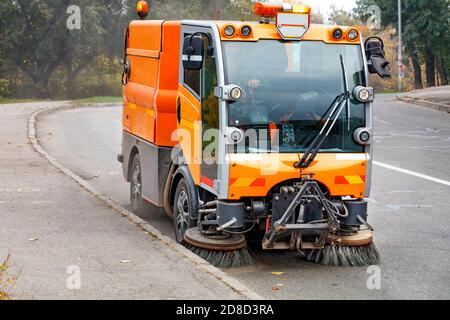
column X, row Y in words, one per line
column 235, row 135
column 236, row 93
column 362, row 136
column 230, row 92
column 363, row 94
column 229, row 31
column 337, row 34
column 246, row 31
column 352, row 34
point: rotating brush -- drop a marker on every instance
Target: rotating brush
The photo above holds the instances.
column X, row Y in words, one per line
column 220, row 249
column 224, row 259
column 346, row 256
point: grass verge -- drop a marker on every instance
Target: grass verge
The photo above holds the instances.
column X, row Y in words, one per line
column 100, row 99
column 13, row 100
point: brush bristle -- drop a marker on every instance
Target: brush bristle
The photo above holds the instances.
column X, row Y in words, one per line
column 346, row 256
column 224, row 259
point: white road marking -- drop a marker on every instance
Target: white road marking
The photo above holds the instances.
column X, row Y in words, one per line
column 351, row 156
column 371, row 200
column 43, row 202
column 396, row 207
column 412, row 173
column 383, row 122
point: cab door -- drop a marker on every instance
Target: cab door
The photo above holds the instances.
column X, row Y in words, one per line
column 199, row 115
column 210, row 122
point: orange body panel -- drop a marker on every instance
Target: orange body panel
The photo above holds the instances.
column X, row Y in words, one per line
column 140, row 32
column 190, row 131
column 167, row 93
column 150, row 112
column 253, row 175
column 150, row 96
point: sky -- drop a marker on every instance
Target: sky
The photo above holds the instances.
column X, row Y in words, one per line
column 324, row 5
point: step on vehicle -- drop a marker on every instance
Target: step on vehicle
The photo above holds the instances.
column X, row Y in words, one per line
column 257, row 130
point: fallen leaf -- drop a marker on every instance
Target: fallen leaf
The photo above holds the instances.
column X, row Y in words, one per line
column 275, row 288
column 277, row 273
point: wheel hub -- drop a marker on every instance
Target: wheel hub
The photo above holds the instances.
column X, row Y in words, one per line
column 214, row 241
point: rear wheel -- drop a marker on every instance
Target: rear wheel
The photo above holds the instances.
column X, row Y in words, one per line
column 183, row 209
column 137, row 203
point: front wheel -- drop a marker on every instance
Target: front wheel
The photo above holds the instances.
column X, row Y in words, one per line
column 183, row 209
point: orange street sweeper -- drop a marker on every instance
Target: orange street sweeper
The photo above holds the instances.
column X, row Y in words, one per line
column 253, row 131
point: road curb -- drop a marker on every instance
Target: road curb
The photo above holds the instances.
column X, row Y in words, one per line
column 424, row 103
column 201, row 264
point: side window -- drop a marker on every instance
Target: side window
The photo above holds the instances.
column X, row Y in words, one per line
column 192, row 77
column 210, row 104
column 192, row 80
column 210, row 116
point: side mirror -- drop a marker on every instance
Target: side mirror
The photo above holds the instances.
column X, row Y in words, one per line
column 193, row 49
column 126, row 74
column 376, row 60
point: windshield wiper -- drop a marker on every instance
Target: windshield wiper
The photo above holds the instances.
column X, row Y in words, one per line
column 341, row 101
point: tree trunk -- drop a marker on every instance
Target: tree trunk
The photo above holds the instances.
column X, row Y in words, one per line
column 42, row 89
column 442, row 72
column 417, row 72
column 429, row 63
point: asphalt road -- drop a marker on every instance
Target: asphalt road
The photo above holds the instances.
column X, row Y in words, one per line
column 64, row 243
column 410, row 212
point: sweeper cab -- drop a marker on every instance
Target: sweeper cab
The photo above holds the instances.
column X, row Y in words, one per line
column 260, row 131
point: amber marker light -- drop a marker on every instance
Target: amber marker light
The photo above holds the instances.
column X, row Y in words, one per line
column 269, row 10
column 142, row 9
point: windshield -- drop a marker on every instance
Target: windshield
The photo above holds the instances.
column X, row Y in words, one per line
column 287, row 89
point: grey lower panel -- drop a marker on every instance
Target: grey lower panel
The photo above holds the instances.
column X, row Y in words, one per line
column 155, row 165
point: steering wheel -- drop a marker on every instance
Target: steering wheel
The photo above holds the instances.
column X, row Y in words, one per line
column 287, row 110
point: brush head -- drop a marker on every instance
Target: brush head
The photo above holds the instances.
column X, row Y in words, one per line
column 224, row 259
column 222, row 250
column 215, row 240
column 352, row 250
column 345, row 256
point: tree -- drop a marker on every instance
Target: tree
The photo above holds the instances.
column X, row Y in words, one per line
column 32, row 40
column 37, row 42
column 342, row 17
column 426, row 25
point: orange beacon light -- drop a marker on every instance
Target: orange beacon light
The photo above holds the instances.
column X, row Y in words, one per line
column 264, row 9
column 142, row 9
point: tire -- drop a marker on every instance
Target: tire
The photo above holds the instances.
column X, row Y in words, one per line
column 183, row 207
column 137, row 202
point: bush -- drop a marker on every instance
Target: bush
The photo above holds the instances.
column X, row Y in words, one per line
column 6, row 280
column 4, row 88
